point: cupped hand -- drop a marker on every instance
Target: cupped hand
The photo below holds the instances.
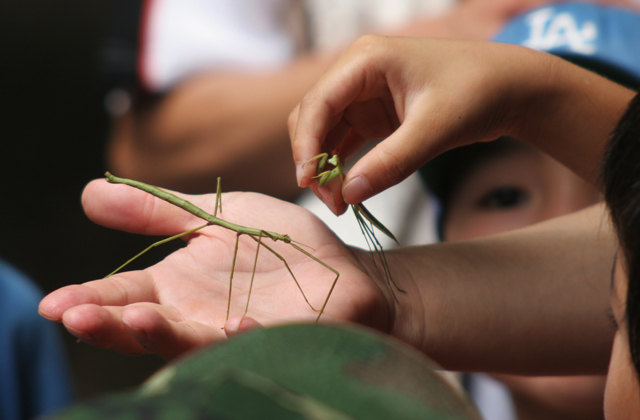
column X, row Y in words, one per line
column 181, row 302
column 423, row 96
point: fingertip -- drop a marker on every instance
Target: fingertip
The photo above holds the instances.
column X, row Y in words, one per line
column 338, row 205
column 304, row 180
column 139, row 321
column 326, row 195
column 307, row 171
column 331, row 196
column 232, row 326
column 91, row 191
column 49, row 310
column 101, row 327
column 93, row 185
column 237, row 325
column 154, row 332
column 54, row 305
column 84, row 320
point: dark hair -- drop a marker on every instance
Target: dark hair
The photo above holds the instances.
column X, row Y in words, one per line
column 621, row 182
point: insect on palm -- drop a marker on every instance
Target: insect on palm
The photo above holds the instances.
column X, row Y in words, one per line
column 262, row 238
column 265, row 238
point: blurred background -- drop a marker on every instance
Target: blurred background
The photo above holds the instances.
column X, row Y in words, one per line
column 54, row 130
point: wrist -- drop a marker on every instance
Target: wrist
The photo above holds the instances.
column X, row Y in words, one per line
column 402, row 296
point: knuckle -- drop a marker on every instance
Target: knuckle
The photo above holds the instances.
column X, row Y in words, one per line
column 370, row 49
column 369, row 42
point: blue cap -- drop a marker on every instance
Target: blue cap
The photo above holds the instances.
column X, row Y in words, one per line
column 601, row 38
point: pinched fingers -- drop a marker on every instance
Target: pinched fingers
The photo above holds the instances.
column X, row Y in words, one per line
column 354, row 94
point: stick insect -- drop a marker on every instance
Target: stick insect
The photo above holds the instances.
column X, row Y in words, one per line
column 212, row 220
column 362, row 215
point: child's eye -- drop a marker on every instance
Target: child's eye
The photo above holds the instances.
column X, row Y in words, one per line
column 612, row 318
column 503, row 198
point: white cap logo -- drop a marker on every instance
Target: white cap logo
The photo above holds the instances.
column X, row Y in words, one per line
column 550, row 31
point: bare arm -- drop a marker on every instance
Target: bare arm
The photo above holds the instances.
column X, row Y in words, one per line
column 531, row 301
column 229, row 125
column 534, row 301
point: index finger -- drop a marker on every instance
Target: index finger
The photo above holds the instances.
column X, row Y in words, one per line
column 320, row 111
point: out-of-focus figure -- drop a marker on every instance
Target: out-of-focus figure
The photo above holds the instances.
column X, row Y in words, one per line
column 34, row 376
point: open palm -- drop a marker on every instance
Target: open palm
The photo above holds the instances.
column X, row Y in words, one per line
column 181, row 302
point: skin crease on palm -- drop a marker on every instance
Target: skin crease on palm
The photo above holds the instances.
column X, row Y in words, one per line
column 514, row 190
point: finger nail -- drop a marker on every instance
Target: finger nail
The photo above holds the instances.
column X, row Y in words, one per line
column 48, row 316
column 80, row 335
column 299, row 174
column 357, row 190
column 325, row 195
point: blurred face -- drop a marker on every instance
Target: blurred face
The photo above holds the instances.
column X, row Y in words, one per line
column 622, row 396
column 507, row 192
column 514, row 190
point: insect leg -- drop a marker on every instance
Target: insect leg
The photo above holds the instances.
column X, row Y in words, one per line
column 155, row 245
column 233, row 267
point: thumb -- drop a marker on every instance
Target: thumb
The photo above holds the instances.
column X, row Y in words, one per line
column 387, row 164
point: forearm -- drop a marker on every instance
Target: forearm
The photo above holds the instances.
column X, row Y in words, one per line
column 570, row 113
column 229, row 125
column 533, row 302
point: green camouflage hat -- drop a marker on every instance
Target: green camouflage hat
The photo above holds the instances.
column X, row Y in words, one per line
column 292, row 372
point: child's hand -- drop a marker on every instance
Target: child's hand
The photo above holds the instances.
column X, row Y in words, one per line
column 180, row 303
column 425, row 96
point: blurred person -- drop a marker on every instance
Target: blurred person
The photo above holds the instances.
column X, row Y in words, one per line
column 488, row 188
column 201, row 89
column 34, row 376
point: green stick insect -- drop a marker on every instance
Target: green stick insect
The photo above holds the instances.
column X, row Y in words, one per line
column 362, row 215
column 212, row 220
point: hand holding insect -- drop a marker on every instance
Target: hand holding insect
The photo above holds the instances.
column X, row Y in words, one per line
column 180, row 303
column 365, row 219
column 426, row 96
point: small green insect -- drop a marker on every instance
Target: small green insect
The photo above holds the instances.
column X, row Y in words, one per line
column 362, row 214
